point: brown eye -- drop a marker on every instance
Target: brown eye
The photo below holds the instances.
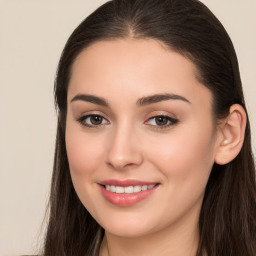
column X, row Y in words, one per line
column 161, row 120
column 96, row 120
column 92, row 120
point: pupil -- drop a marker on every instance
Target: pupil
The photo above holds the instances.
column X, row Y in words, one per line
column 96, row 120
column 161, row 120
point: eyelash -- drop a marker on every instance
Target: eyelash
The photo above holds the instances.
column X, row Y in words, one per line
column 171, row 121
column 82, row 119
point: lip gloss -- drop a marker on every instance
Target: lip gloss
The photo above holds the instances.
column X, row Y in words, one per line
column 126, row 199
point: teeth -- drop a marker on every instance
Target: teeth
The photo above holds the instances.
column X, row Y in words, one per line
column 137, row 189
column 151, row 186
column 145, row 187
column 119, row 190
column 129, row 189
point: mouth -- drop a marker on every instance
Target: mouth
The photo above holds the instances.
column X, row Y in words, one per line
column 129, row 189
column 127, row 193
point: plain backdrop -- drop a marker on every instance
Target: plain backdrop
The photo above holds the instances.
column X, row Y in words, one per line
column 32, row 36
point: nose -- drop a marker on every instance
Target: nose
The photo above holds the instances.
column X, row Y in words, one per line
column 124, row 149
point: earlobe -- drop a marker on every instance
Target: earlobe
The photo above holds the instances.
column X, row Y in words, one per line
column 231, row 135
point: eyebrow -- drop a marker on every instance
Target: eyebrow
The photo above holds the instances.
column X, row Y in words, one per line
column 160, row 97
column 90, row 98
column 141, row 102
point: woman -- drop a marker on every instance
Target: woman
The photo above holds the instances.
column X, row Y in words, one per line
column 153, row 151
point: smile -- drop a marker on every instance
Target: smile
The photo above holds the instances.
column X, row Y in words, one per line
column 129, row 189
column 127, row 193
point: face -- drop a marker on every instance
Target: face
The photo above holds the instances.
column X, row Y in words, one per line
column 140, row 136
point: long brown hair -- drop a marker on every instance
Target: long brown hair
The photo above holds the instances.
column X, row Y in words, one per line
column 228, row 216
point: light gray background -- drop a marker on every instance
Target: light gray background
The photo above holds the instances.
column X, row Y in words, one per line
column 32, row 35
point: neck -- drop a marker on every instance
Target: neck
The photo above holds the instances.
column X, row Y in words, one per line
column 180, row 239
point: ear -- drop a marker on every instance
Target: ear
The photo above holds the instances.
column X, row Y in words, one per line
column 231, row 135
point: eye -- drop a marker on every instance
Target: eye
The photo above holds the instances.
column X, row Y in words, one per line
column 161, row 121
column 92, row 120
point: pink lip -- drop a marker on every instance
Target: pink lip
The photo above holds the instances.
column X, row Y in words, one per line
column 124, row 199
column 126, row 183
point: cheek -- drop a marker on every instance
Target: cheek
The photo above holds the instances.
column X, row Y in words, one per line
column 185, row 161
column 84, row 151
column 185, row 158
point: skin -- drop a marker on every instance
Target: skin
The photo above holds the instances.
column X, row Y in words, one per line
column 129, row 144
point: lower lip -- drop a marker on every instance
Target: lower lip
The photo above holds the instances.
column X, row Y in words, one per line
column 124, row 199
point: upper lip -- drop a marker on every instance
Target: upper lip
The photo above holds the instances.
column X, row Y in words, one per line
column 126, row 183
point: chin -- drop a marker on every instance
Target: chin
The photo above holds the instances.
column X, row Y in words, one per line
column 128, row 227
column 131, row 232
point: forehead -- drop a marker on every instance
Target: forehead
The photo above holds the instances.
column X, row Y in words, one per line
column 137, row 67
column 140, row 53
